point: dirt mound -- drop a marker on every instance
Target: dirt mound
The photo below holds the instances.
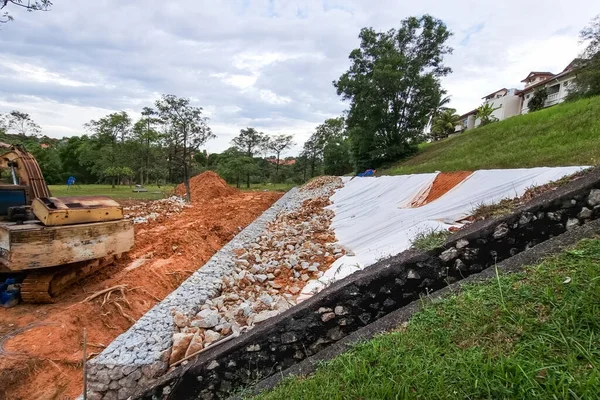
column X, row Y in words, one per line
column 206, row 186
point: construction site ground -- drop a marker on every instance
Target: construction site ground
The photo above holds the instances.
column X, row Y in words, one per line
column 41, row 346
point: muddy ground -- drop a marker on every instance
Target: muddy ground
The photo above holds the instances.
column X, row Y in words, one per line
column 41, row 345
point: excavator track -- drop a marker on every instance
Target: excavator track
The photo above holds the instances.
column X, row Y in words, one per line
column 44, row 286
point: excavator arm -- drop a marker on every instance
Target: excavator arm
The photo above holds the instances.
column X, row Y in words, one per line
column 25, row 171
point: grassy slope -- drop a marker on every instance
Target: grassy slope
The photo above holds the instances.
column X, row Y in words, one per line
column 521, row 336
column 567, row 134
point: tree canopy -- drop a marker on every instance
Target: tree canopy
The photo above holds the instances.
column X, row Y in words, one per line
column 587, row 79
column 393, row 84
column 29, row 5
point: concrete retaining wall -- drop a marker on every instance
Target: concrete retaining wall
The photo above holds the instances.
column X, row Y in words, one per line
column 373, row 293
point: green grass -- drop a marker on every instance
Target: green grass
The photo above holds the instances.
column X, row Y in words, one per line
column 531, row 335
column 271, row 187
column 567, row 134
column 430, row 239
column 119, row 192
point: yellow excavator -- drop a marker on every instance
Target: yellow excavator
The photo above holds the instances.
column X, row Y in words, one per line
column 49, row 243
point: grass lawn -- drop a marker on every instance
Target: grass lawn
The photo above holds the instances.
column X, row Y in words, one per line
column 119, row 192
column 271, row 187
column 566, row 134
column 532, row 335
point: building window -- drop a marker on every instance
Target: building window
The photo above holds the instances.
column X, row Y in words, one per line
column 527, row 97
column 554, row 89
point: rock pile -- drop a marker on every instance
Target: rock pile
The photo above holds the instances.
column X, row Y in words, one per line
column 268, row 274
column 147, row 211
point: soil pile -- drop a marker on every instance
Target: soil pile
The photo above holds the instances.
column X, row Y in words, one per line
column 206, row 186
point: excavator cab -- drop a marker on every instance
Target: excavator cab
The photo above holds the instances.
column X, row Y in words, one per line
column 53, row 241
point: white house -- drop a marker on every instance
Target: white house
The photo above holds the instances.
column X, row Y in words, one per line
column 557, row 86
column 506, row 103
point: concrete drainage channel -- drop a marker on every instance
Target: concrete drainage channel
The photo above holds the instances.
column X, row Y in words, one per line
column 136, row 358
column 371, row 295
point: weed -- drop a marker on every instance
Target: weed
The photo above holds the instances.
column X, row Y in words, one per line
column 431, row 239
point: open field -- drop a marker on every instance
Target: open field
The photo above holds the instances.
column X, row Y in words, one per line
column 567, row 134
column 271, row 187
column 532, row 335
column 119, row 192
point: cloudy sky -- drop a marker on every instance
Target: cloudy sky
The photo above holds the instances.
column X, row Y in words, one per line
column 268, row 64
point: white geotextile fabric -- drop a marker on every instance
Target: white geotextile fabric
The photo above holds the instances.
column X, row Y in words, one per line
column 372, row 221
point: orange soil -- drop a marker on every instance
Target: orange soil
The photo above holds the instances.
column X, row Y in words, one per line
column 41, row 345
column 443, row 182
column 205, row 186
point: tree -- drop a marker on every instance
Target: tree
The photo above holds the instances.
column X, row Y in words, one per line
column 146, row 135
column 278, row 144
column 106, row 150
column 392, row 85
column 336, row 156
column 445, row 124
column 538, row 99
column 484, row 113
column 587, row 80
column 314, row 147
column 187, row 127
column 21, row 123
column 439, row 107
column 39, row 5
column 234, row 165
column 249, row 141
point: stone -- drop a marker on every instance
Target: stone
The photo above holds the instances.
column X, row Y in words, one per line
column 288, row 337
column 207, row 319
column 275, row 285
column 525, row 218
column 341, row 310
column 270, row 277
column 261, row 277
column 553, row 216
column 154, row 370
column 242, row 262
column 572, row 223
column 115, row 374
column 181, row 342
column 212, row 365
column 449, row 255
column 264, row 315
column 305, row 264
column 196, row 344
column 304, row 277
column 327, row 317
column 594, row 198
column 501, row 231
column 251, row 349
column 102, row 377
column 266, row 300
column 585, row 213
column 412, row 274
column 222, row 326
column 462, row 243
column 335, row 333
column 211, row 337
column 180, row 320
column 324, row 310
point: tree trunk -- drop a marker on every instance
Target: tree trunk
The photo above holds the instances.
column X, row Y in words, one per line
column 186, row 175
column 248, row 180
column 113, row 182
column 277, row 170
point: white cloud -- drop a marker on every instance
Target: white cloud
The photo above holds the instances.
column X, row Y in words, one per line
column 256, row 63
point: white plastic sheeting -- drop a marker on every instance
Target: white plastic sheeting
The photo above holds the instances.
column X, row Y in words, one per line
column 373, row 222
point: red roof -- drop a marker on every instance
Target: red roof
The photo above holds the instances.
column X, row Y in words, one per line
column 537, row 73
column 469, row 113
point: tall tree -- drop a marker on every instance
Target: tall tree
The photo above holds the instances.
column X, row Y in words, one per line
column 106, row 153
column 29, row 5
column 249, row 141
column 145, row 133
column 587, row 80
column 21, row 123
column 392, row 86
column 189, row 128
column 278, row 144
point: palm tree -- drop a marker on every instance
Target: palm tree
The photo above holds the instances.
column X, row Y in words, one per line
column 484, row 113
column 439, row 108
column 445, row 124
